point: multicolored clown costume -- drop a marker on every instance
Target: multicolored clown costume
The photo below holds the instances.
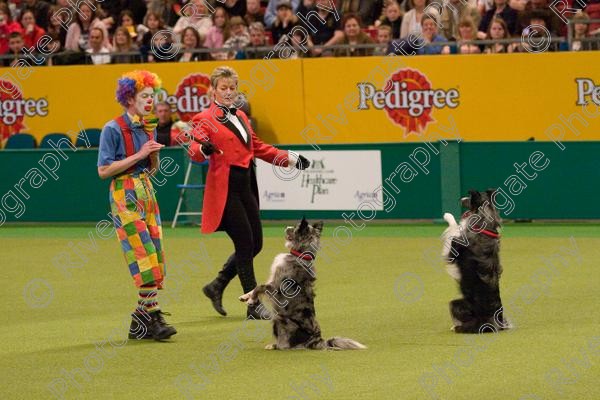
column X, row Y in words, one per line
column 133, row 204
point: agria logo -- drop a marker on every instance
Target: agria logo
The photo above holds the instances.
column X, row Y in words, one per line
column 408, row 99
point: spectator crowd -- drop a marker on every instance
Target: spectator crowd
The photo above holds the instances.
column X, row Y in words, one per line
column 131, row 31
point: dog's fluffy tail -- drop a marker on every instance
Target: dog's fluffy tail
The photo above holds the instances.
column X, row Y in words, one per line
column 449, row 218
column 340, row 343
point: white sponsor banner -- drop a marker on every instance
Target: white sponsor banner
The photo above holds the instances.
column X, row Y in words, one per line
column 335, row 180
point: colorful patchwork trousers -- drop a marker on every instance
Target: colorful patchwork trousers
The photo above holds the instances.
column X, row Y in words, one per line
column 137, row 221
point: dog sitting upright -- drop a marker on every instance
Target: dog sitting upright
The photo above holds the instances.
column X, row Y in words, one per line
column 290, row 289
column 471, row 249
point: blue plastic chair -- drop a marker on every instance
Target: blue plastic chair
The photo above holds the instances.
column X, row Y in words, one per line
column 93, row 136
column 55, row 138
column 21, row 141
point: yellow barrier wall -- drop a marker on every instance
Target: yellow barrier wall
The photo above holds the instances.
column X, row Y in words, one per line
column 478, row 98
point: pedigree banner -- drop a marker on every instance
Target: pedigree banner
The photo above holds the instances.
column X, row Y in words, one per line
column 65, row 99
column 505, row 97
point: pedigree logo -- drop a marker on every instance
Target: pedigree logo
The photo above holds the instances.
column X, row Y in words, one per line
column 408, row 99
column 190, row 96
column 14, row 108
column 587, row 90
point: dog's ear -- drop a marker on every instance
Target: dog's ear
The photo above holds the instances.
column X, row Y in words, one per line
column 303, row 225
column 318, row 227
column 490, row 192
column 475, row 198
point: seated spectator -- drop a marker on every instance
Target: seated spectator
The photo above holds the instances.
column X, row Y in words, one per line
column 55, row 29
column 239, row 37
column 500, row 10
column 537, row 37
column 580, row 33
column 271, row 11
column 253, row 12
column 328, row 29
column 467, row 33
column 218, row 33
column 429, row 34
column 80, row 30
column 393, row 18
column 53, row 48
column 39, row 8
column 167, row 10
column 161, row 48
column 453, row 12
column 197, row 17
column 123, row 43
column 411, row 22
column 153, row 24
column 165, row 122
column 15, row 50
column 97, row 52
column 31, row 32
column 367, row 10
column 497, row 30
column 384, row 38
column 7, row 26
column 126, row 21
column 235, row 8
column 353, row 35
column 112, row 11
column 556, row 25
column 285, row 20
column 257, row 39
column 295, row 40
column 190, row 40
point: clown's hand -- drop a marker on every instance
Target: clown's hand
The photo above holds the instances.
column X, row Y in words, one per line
column 207, row 147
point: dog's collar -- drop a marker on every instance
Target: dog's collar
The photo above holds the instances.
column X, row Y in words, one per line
column 307, row 255
column 487, row 232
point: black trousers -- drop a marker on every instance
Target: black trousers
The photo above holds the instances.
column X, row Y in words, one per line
column 241, row 221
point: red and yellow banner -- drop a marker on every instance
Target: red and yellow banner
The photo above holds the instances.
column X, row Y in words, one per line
column 505, row 97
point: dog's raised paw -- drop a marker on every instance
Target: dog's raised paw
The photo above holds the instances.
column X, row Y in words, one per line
column 244, row 298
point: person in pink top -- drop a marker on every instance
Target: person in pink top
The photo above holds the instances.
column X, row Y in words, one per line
column 218, row 33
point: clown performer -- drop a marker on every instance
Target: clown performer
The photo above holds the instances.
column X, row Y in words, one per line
column 128, row 154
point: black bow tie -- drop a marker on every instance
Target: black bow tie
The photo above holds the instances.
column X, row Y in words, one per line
column 226, row 110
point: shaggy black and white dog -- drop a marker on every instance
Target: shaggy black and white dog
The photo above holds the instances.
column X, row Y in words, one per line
column 290, row 289
column 472, row 252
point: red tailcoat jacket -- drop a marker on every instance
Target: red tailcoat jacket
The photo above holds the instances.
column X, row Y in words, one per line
column 207, row 126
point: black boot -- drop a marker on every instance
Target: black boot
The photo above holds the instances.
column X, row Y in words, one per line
column 159, row 328
column 258, row 311
column 139, row 328
column 214, row 291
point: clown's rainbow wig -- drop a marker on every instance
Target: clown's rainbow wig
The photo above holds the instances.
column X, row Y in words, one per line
column 134, row 81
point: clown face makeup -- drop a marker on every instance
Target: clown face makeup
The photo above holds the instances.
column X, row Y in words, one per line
column 143, row 101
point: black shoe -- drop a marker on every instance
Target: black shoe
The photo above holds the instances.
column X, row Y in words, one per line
column 214, row 291
column 139, row 328
column 159, row 328
column 258, row 311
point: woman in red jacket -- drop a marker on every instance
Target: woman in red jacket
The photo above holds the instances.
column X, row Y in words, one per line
column 223, row 135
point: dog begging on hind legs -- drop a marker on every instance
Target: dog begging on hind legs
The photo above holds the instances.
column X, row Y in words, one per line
column 472, row 253
column 290, row 289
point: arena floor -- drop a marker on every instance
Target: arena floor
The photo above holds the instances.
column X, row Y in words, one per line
column 69, row 296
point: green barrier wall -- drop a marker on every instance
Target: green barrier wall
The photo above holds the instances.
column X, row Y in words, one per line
column 558, row 184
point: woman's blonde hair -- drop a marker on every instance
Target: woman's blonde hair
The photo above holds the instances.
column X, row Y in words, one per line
column 221, row 73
